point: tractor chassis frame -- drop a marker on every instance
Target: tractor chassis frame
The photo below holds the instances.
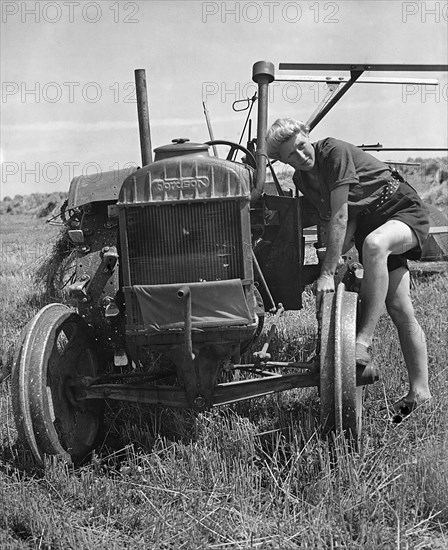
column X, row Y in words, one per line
column 269, row 382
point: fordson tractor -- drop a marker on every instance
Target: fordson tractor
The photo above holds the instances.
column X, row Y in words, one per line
column 182, row 257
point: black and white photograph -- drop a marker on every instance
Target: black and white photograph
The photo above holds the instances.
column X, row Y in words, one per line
column 224, row 275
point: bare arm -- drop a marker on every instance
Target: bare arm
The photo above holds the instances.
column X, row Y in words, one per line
column 337, row 232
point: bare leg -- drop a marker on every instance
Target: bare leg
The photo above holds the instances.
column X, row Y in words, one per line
column 411, row 335
column 373, row 294
column 394, row 237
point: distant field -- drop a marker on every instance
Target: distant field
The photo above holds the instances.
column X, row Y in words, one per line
column 253, row 475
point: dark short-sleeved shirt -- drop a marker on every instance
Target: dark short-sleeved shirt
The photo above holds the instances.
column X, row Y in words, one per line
column 339, row 163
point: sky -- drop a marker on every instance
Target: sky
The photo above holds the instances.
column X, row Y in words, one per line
column 67, row 72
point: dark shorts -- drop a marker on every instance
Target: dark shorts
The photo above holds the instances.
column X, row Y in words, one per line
column 406, row 206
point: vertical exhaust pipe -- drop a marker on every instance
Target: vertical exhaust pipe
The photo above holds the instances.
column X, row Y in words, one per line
column 263, row 74
column 143, row 116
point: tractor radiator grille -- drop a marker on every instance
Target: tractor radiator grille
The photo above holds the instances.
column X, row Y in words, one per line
column 184, row 242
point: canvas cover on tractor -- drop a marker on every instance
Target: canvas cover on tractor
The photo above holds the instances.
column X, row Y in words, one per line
column 214, row 303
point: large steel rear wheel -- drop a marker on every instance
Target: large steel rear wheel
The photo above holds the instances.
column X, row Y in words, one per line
column 56, row 348
column 341, row 399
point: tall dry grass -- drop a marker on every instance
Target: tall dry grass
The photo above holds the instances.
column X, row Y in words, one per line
column 252, row 475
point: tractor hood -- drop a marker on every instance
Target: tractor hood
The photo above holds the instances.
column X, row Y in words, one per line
column 188, row 178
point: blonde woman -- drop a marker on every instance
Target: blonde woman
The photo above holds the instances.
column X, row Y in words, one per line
column 364, row 200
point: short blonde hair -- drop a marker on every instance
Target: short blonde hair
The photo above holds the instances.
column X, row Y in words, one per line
column 282, row 130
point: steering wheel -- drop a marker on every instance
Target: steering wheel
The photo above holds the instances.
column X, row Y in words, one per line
column 250, row 159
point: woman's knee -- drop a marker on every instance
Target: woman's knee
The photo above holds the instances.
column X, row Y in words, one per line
column 374, row 246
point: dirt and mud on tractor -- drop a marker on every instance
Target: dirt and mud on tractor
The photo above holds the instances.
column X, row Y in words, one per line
column 182, row 257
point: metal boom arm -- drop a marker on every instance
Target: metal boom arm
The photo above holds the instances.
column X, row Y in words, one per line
column 356, row 70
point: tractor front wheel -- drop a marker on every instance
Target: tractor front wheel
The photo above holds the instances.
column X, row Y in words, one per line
column 56, row 350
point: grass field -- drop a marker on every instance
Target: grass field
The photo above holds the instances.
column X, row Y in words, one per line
column 252, row 475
